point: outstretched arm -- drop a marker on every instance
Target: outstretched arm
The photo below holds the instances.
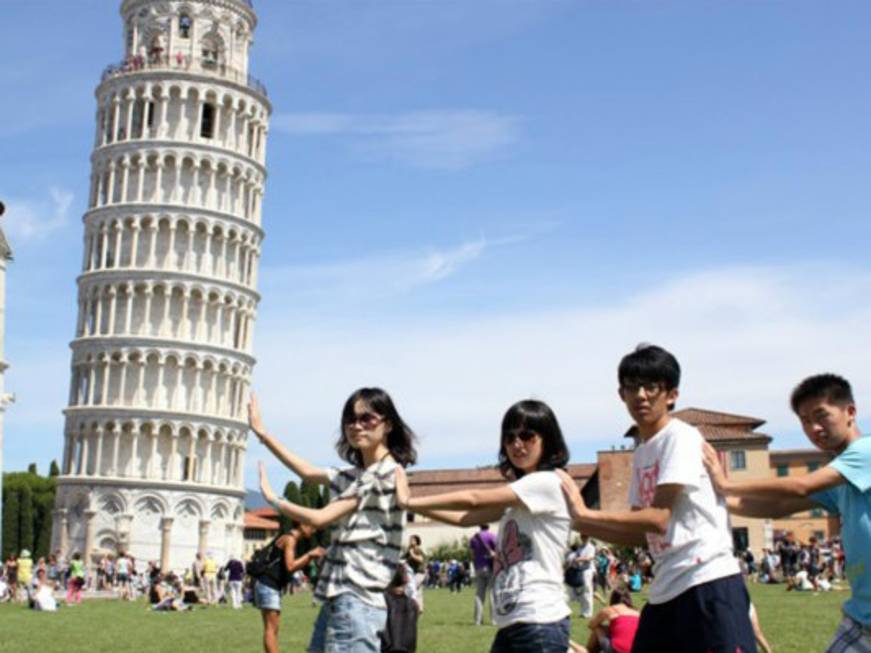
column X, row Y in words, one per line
column 435, row 506
column 464, row 517
column 787, row 487
column 771, row 508
column 300, row 466
column 315, row 517
column 623, row 527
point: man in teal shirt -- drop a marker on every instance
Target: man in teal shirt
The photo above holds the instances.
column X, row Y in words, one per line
column 827, row 410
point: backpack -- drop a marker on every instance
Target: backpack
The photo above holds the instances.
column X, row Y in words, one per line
column 260, row 563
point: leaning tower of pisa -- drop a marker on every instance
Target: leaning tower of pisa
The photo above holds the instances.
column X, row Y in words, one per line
column 155, row 430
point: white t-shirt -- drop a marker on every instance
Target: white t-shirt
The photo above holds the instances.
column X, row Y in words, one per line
column 528, row 565
column 697, row 548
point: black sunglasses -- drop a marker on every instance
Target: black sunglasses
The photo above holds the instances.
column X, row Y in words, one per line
column 525, row 435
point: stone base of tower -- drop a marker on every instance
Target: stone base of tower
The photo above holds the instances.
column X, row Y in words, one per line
column 167, row 523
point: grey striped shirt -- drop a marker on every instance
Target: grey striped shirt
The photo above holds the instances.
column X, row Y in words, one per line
column 365, row 546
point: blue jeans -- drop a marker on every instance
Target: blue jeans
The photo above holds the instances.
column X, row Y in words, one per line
column 533, row 638
column 346, row 624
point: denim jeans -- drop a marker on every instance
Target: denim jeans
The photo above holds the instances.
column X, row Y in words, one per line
column 346, row 624
column 533, row 638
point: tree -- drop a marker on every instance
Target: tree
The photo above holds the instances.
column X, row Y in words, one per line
column 53, row 469
column 291, row 493
column 27, row 515
column 10, row 520
column 310, row 493
column 43, row 505
column 31, row 469
column 25, row 518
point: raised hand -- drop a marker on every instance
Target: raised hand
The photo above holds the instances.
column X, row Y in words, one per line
column 255, row 422
column 715, row 468
column 265, row 487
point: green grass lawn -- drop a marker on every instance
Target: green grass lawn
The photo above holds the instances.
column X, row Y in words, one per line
column 796, row 622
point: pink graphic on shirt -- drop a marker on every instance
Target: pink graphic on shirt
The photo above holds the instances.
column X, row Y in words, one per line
column 510, row 552
column 647, row 478
column 508, row 575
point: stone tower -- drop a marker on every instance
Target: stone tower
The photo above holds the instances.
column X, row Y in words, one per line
column 155, row 430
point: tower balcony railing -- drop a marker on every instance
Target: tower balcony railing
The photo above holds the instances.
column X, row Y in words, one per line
column 183, row 63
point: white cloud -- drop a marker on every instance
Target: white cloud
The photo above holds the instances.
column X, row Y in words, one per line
column 34, row 219
column 743, row 336
column 377, row 277
column 444, row 139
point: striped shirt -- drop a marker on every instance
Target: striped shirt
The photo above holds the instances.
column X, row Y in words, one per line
column 365, row 546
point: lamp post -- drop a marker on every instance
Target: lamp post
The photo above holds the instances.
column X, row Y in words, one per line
column 3, row 402
column 2, row 211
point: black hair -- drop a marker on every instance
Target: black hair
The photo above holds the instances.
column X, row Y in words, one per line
column 831, row 387
column 415, row 538
column 400, row 578
column 650, row 363
column 401, row 439
column 621, row 595
column 535, row 416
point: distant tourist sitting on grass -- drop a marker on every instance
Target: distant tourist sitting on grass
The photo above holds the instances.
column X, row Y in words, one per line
column 827, row 411
column 42, row 595
column 613, row 628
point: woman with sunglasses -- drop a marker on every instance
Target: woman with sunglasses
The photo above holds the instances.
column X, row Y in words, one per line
column 529, row 600
column 367, row 538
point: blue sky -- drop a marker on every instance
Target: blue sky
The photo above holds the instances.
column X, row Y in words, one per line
column 474, row 202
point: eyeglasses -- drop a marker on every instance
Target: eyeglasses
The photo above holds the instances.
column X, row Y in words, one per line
column 365, row 420
column 651, row 388
column 524, row 435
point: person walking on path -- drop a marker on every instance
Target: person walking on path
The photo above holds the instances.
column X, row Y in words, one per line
column 210, row 578
column 77, row 580
column 483, row 546
column 235, row 571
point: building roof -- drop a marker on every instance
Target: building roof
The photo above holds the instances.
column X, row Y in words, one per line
column 786, row 456
column 697, row 416
column 254, row 520
column 723, row 428
column 435, row 481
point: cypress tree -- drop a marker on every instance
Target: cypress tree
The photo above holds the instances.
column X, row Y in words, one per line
column 31, row 469
column 11, row 504
column 25, row 518
column 53, row 469
column 291, row 493
column 44, row 504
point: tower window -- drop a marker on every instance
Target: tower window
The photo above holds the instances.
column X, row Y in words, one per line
column 207, row 127
column 184, row 26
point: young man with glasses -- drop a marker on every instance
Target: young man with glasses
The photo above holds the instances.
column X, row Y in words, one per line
column 825, row 406
column 697, row 602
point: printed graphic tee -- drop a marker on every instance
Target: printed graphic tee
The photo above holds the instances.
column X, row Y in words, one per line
column 697, row 547
column 528, row 567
